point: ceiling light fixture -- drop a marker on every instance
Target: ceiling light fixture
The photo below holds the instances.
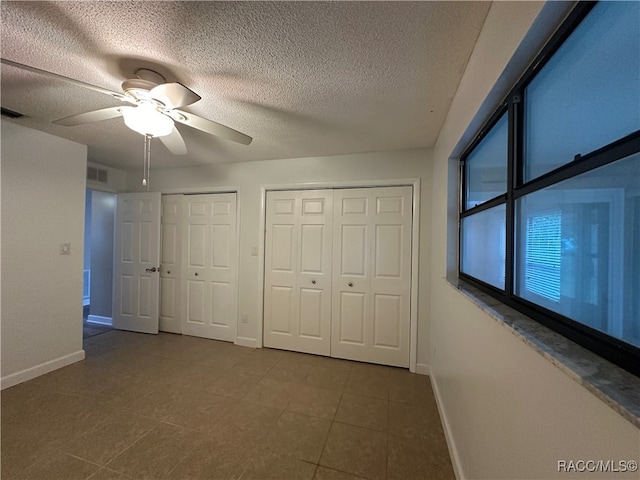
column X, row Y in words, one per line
column 148, row 121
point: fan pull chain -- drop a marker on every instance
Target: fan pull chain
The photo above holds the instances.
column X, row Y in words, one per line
column 146, row 161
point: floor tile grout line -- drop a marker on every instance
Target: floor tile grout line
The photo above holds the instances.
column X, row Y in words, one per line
column 324, row 445
column 134, row 443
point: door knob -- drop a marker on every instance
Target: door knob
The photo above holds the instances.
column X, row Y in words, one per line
column 152, row 269
column 313, row 281
column 168, row 272
column 351, row 284
column 196, row 274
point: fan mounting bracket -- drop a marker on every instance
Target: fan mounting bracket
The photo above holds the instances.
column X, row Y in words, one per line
column 150, row 76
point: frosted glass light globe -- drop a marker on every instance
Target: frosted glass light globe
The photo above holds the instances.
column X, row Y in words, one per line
column 147, row 120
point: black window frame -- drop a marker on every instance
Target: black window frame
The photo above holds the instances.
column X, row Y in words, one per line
column 610, row 348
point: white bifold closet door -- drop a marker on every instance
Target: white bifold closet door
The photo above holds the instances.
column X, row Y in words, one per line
column 338, row 273
column 209, row 243
column 297, row 300
column 372, row 275
column 171, row 264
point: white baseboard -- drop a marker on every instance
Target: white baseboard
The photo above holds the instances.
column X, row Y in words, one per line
column 100, row 320
column 422, row 369
column 38, row 370
column 246, row 342
column 451, row 444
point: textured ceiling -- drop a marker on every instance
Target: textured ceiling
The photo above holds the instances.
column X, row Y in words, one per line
column 302, row 78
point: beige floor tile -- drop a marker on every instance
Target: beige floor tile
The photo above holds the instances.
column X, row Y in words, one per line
column 163, row 371
column 124, row 395
column 272, row 393
column 418, row 459
column 110, row 436
column 57, row 465
column 327, row 377
column 324, row 473
column 270, row 354
column 248, row 422
column 107, row 474
column 233, row 384
column 278, row 466
column 221, row 458
column 20, row 451
column 368, row 412
column 256, row 364
column 335, row 364
column 368, row 384
column 29, row 402
column 157, row 453
column 198, row 411
column 187, row 375
column 223, row 360
column 289, row 371
column 300, row 435
column 59, row 419
column 318, row 402
column 376, row 370
column 412, row 421
column 356, row 450
column 171, row 406
column 412, row 391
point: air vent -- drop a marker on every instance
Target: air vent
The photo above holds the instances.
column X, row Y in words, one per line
column 10, row 113
column 97, row 175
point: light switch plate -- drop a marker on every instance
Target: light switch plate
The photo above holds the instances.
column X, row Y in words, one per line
column 65, row 249
column 254, row 251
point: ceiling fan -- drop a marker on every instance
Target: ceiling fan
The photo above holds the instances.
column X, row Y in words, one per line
column 154, row 107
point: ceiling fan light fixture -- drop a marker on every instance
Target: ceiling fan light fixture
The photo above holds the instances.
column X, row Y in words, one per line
column 147, row 120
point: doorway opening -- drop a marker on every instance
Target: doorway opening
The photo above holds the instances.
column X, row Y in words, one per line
column 100, row 208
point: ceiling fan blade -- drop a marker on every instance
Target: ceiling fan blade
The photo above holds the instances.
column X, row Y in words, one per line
column 210, row 127
column 72, row 81
column 90, row 117
column 174, row 142
column 174, row 95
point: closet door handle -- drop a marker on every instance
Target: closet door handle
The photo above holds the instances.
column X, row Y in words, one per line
column 313, row 281
column 350, row 284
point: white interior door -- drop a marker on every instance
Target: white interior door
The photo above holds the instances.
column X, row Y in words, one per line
column 136, row 262
column 372, row 275
column 210, row 266
column 171, row 264
column 297, row 310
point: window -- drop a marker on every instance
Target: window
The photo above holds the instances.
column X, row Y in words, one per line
column 550, row 211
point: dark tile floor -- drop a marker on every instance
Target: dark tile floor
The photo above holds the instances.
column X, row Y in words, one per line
column 92, row 329
column 178, row 407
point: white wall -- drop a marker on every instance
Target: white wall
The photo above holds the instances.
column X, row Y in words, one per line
column 508, row 411
column 43, row 193
column 250, row 177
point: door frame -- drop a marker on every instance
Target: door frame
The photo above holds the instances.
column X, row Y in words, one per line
column 415, row 237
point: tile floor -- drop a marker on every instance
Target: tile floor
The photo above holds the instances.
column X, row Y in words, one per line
column 178, row 407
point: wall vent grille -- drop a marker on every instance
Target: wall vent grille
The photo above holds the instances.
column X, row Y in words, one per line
column 97, row 175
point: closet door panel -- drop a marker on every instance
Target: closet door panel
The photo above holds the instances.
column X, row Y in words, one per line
column 298, row 271
column 210, row 266
column 372, row 275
